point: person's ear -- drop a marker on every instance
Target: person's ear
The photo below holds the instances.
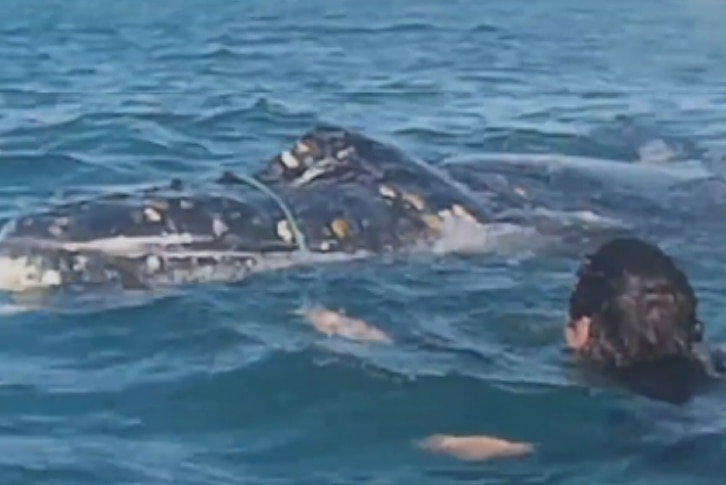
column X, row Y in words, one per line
column 577, row 333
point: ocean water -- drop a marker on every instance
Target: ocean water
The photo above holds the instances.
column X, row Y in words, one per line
column 605, row 106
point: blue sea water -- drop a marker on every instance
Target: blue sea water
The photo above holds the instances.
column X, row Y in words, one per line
column 225, row 384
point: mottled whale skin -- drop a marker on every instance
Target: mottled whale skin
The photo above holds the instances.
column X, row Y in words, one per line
column 344, row 193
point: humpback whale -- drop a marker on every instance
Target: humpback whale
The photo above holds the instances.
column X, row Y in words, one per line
column 333, row 193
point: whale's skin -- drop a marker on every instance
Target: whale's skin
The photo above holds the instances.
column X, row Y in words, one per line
column 346, row 193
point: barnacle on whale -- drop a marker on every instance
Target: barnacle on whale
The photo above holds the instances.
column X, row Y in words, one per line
column 433, row 222
column 302, row 148
column 219, row 227
column 289, row 160
column 387, row 192
column 460, row 211
column 152, row 214
column 415, row 200
column 340, row 228
column 285, row 231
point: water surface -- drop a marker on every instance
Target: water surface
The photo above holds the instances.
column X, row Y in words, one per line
column 225, row 383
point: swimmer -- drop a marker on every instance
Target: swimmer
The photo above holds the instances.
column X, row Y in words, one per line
column 633, row 318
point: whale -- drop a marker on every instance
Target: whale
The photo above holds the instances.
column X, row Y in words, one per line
column 332, row 194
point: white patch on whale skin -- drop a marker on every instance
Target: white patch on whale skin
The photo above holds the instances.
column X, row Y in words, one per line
column 289, row 160
column 21, row 274
column 117, row 246
column 130, row 246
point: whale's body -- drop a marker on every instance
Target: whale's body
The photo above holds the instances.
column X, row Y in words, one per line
column 334, row 194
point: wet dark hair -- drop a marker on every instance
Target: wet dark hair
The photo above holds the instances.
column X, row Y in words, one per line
column 643, row 316
column 641, row 305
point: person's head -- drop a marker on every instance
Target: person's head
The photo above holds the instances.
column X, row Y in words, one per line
column 632, row 308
